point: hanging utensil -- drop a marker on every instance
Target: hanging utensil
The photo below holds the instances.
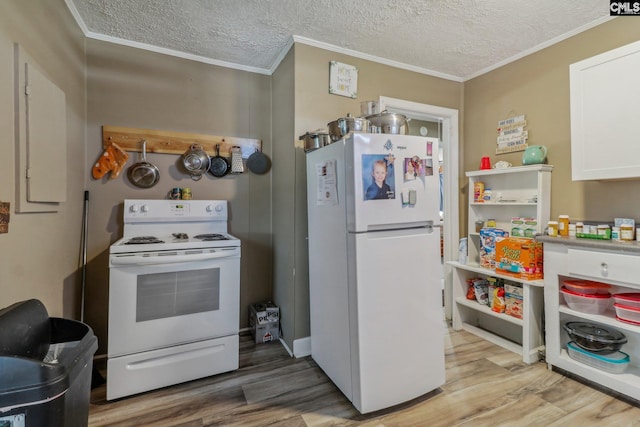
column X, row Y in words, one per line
column 219, row 165
column 237, row 166
column 258, row 162
column 143, row 174
column 196, row 161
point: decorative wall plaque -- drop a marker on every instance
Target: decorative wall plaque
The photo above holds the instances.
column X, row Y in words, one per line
column 343, row 79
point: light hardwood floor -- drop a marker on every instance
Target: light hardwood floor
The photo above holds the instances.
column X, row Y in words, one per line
column 486, row 386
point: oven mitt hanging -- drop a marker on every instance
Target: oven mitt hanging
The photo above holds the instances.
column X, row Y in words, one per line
column 112, row 160
column 236, row 160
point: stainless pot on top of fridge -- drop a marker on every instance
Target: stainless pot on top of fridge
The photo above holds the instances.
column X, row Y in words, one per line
column 341, row 127
column 315, row 140
column 386, row 122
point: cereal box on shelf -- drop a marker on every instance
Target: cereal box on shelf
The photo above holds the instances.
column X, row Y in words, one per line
column 519, row 256
column 488, row 245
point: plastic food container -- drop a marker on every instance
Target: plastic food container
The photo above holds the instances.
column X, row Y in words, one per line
column 590, row 304
column 626, row 313
column 614, row 363
column 595, row 338
column 588, row 287
column 631, row 299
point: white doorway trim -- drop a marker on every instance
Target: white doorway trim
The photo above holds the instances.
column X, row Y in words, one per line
column 450, row 142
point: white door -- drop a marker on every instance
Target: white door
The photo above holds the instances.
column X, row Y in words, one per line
column 392, row 181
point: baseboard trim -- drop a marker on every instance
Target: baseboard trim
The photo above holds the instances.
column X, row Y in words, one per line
column 302, row 347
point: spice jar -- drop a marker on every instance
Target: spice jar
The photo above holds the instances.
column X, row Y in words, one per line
column 626, row 232
column 563, row 225
column 552, row 228
column 572, row 230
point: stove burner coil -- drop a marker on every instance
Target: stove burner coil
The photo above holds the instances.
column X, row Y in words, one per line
column 210, row 237
column 143, row 240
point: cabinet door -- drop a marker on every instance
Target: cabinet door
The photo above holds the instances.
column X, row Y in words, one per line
column 605, row 99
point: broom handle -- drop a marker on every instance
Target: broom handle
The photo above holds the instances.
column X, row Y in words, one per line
column 85, row 226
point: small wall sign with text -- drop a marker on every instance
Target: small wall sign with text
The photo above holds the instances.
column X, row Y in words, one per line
column 343, row 79
column 511, row 135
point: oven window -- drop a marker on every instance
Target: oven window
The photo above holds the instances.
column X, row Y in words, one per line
column 162, row 295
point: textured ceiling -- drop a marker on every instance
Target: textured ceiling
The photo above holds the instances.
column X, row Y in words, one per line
column 455, row 39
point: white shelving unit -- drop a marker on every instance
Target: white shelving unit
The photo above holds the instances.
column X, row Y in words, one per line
column 516, row 192
column 620, row 268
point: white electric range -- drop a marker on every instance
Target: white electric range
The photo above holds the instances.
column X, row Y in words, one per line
column 174, row 295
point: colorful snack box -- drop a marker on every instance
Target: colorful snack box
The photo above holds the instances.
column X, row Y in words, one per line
column 488, row 246
column 520, row 257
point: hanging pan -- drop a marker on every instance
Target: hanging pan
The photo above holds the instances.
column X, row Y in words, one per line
column 143, row 174
column 258, row 163
column 219, row 165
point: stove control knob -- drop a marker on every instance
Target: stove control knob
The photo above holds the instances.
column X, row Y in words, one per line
column 133, row 208
column 216, row 208
column 144, row 208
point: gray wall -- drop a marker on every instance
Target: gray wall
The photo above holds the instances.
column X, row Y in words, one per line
column 139, row 89
column 284, row 186
column 41, row 252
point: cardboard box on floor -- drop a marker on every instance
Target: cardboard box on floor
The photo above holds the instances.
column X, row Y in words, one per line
column 264, row 322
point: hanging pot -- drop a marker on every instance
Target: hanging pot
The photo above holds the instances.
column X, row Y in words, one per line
column 196, row 161
column 219, row 165
column 143, row 174
column 258, row 163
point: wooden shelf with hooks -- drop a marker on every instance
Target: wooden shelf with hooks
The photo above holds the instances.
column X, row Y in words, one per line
column 169, row 142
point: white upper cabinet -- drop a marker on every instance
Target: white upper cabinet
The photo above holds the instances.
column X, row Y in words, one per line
column 605, row 108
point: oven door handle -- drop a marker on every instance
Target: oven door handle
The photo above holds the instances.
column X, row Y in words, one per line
column 169, row 259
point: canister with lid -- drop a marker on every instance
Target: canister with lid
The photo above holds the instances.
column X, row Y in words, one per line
column 552, row 228
column 563, row 225
column 626, row 232
column 478, row 191
column 579, row 228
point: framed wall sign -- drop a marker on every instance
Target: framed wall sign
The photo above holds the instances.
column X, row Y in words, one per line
column 343, row 79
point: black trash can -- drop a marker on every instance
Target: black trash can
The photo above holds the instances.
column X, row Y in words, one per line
column 46, row 367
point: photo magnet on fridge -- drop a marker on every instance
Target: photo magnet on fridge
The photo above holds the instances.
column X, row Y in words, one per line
column 378, row 177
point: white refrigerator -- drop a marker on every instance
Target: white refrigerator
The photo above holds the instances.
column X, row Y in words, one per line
column 377, row 323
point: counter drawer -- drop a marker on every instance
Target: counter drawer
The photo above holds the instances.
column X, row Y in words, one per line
column 605, row 265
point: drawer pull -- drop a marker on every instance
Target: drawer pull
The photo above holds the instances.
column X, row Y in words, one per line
column 605, row 268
